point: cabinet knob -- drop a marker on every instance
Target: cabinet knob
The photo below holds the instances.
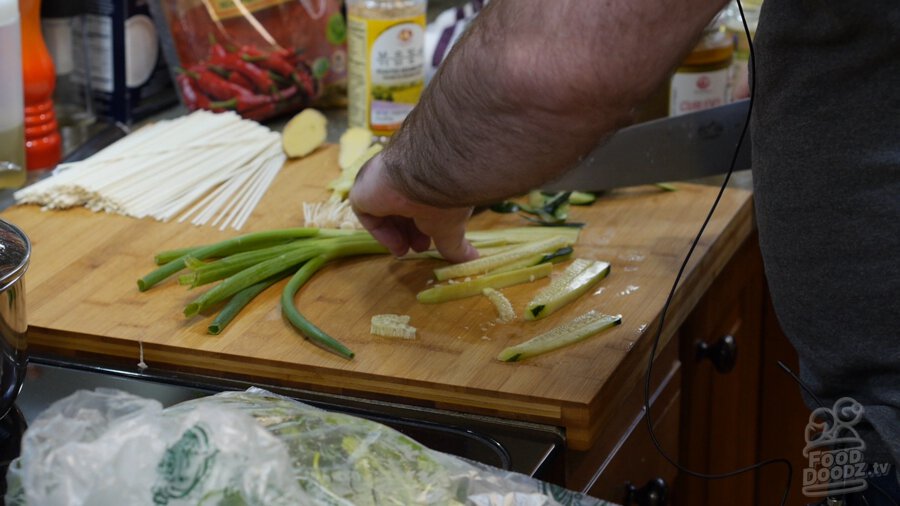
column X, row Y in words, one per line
column 654, row 493
column 722, row 353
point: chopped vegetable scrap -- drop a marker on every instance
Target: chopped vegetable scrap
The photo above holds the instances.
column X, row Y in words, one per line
column 353, row 144
column 505, row 311
column 392, row 325
column 340, row 186
column 547, row 209
column 330, row 215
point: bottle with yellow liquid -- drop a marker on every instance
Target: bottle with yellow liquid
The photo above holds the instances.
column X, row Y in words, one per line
column 386, row 49
column 12, row 113
column 702, row 79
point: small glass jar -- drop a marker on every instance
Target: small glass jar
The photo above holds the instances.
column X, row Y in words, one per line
column 386, row 74
column 703, row 79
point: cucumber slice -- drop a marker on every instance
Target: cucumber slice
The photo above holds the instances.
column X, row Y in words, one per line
column 560, row 255
column 522, row 234
column 486, row 264
column 463, row 289
column 580, row 328
column 582, row 198
column 577, row 279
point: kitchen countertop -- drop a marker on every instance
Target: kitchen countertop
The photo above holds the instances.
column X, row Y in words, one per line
column 80, row 306
column 337, row 125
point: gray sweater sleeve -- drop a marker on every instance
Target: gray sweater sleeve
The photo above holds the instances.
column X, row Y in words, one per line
column 826, row 154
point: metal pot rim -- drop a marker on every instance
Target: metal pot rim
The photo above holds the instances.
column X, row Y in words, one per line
column 17, row 270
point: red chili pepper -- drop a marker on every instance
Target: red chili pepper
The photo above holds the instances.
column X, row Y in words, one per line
column 219, row 88
column 305, row 80
column 285, row 94
column 281, row 82
column 259, row 77
column 289, row 55
column 271, row 60
column 239, row 79
column 193, row 99
column 243, row 103
column 217, row 52
column 260, row 113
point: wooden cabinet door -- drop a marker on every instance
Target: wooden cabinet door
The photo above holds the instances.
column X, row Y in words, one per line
column 720, row 393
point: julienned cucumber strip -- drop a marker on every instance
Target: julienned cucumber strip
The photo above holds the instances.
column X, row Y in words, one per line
column 487, row 264
column 577, row 279
column 453, row 291
column 580, row 328
column 558, row 256
column 522, row 234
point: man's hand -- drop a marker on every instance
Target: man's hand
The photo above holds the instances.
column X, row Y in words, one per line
column 401, row 224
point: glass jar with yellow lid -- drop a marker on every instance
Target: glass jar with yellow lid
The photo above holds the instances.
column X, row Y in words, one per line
column 703, row 80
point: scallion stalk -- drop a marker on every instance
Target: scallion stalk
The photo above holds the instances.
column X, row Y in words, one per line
column 245, row 278
column 241, row 299
column 222, row 247
column 307, row 328
column 287, row 260
column 203, row 273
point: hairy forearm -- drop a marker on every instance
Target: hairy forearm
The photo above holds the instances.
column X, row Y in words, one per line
column 532, row 87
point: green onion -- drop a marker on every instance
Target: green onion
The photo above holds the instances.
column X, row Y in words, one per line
column 167, row 256
column 223, row 247
column 307, row 328
column 364, row 243
column 237, row 303
column 245, row 278
column 207, row 272
column 310, row 331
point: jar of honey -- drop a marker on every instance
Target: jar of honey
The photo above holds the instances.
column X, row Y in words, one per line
column 702, row 81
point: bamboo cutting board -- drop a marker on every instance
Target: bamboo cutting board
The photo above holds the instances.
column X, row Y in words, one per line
column 82, row 297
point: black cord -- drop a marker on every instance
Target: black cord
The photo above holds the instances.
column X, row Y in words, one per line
column 819, row 402
column 796, row 379
column 662, row 317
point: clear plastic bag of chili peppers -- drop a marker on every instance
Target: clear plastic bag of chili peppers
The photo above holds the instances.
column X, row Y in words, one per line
column 261, row 58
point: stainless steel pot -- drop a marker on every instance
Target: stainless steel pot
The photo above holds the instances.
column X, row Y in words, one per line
column 15, row 252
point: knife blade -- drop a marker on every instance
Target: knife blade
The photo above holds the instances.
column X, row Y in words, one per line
column 676, row 148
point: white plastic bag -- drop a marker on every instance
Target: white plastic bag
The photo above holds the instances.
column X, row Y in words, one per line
column 238, row 448
column 107, row 447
